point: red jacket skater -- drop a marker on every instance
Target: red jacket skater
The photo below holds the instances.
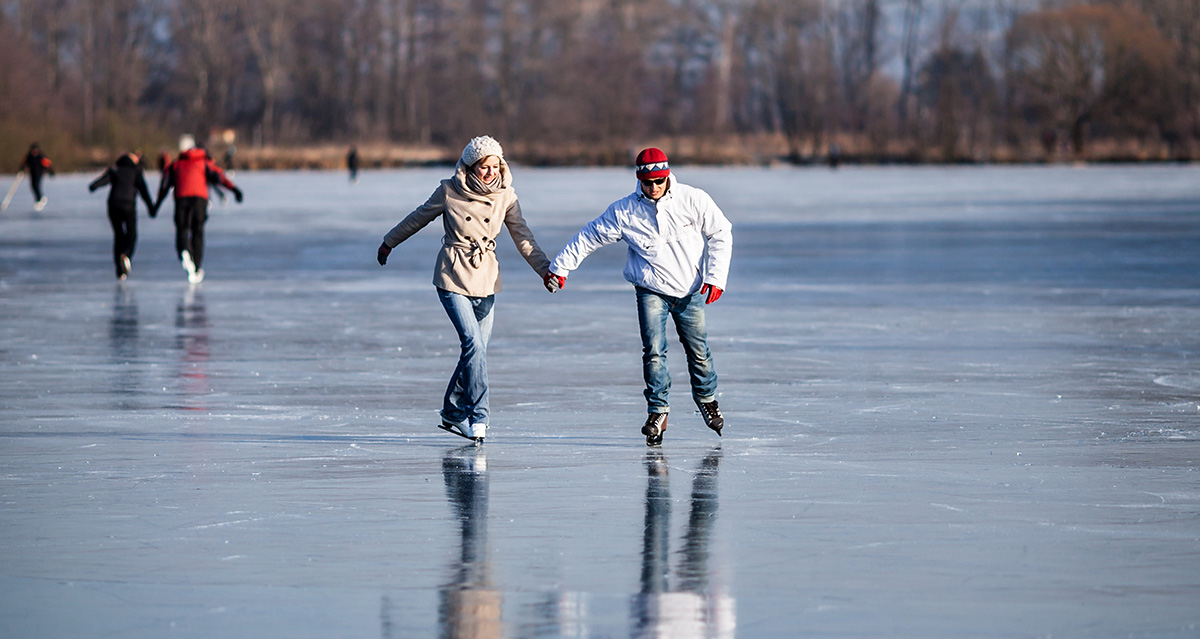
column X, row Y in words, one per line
column 191, row 174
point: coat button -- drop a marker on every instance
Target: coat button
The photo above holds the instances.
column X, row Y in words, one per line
column 487, row 219
column 468, row 218
column 468, row 238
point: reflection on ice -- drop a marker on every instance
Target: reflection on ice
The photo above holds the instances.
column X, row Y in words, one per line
column 191, row 343
column 683, row 602
column 123, row 345
column 470, row 605
column 693, row 608
column 123, row 327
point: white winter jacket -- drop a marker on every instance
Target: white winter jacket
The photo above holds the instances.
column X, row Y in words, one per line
column 676, row 244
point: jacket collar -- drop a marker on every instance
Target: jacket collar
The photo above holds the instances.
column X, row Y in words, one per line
column 641, row 197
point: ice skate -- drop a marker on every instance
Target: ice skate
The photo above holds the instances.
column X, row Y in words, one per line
column 188, row 265
column 40, row 204
column 474, row 433
column 196, row 277
column 653, row 429
column 711, row 413
column 123, row 267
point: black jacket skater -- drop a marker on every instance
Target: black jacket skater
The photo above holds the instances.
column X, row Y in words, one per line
column 128, row 181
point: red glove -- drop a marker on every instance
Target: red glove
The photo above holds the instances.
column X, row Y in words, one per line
column 554, row 282
column 713, row 293
column 384, row 251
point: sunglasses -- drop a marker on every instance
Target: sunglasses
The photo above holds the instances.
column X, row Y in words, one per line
column 654, row 182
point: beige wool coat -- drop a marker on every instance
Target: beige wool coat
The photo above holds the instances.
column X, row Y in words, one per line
column 471, row 222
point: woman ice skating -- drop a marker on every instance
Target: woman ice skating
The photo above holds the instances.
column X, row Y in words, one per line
column 474, row 204
column 128, row 182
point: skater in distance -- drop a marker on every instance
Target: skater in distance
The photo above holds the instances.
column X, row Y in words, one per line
column 190, row 176
column 352, row 164
column 474, row 204
column 128, row 182
column 37, row 165
column 679, row 245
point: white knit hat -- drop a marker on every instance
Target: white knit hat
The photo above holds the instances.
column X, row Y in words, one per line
column 479, row 148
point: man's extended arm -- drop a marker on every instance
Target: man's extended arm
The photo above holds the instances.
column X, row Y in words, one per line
column 601, row 231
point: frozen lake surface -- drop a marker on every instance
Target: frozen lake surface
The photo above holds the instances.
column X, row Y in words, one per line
column 960, row 402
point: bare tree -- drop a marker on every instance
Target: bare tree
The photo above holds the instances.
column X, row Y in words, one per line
column 207, row 42
column 29, row 109
column 268, row 26
column 956, row 89
column 858, row 31
column 1077, row 63
column 1179, row 120
column 789, row 64
column 913, row 10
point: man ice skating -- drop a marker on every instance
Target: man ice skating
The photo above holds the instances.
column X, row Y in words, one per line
column 37, row 165
column 128, row 181
column 190, row 176
column 678, row 260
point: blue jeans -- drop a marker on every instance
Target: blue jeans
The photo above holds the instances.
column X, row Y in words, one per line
column 688, row 314
column 467, row 394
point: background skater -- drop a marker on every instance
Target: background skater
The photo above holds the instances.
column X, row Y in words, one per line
column 190, row 176
column 37, row 165
column 128, row 181
column 679, row 248
column 474, row 205
column 352, row 163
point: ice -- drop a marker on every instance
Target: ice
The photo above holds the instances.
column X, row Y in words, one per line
column 960, row 402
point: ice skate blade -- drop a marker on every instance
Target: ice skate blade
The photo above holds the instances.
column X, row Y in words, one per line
column 654, row 440
column 457, row 430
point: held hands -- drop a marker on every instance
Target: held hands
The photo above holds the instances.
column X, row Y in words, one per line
column 711, row 292
column 554, row 282
column 384, row 251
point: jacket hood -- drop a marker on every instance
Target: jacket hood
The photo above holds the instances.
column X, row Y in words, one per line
column 194, row 153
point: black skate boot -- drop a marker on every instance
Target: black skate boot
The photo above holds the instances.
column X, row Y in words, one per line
column 653, row 429
column 711, row 413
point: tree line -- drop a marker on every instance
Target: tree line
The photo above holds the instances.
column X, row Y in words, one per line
column 584, row 81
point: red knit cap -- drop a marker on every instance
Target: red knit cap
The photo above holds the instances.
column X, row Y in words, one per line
column 652, row 163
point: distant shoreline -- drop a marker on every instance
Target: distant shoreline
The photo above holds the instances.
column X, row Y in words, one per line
column 734, row 152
